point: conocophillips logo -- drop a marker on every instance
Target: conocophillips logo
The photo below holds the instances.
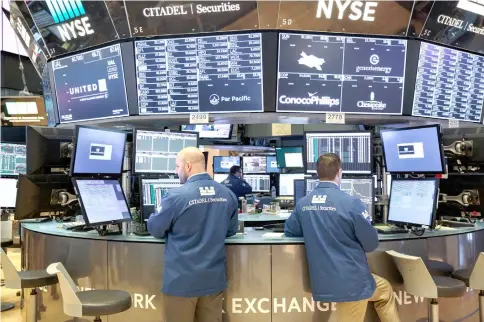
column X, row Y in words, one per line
column 312, row 99
column 63, row 11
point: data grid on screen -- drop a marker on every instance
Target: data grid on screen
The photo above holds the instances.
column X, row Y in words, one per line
column 155, row 189
column 259, row 182
column 210, row 131
column 449, row 84
column 354, row 149
column 326, row 73
column 13, row 159
column 8, row 195
column 215, row 74
column 412, row 201
column 286, row 183
column 256, row 164
column 155, row 152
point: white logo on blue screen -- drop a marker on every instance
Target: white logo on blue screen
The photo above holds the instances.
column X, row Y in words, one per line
column 214, row 99
column 372, row 104
column 100, row 151
column 311, row 61
column 374, row 59
column 89, row 88
column 414, row 150
column 312, row 99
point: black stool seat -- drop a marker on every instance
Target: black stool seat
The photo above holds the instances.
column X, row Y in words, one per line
column 449, row 287
column 38, row 278
column 438, row 268
column 462, row 275
column 104, row 302
column 6, row 242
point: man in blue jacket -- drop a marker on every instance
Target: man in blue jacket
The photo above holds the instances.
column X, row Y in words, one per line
column 236, row 183
column 194, row 219
column 337, row 232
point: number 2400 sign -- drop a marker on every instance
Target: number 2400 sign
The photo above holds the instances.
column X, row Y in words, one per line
column 199, row 118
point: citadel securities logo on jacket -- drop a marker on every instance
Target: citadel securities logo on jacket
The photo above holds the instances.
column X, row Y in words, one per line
column 337, row 236
column 195, row 219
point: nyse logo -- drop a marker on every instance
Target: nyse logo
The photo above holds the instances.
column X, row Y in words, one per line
column 71, row 17
column 100, row 151
column 355, row 10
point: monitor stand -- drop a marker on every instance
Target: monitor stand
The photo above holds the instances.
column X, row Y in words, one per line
column 103, row 230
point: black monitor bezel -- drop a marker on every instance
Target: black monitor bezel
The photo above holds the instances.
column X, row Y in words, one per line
column 434, row 211
column 224, row 156
column 305, row 157
column 209, row 138
column 294, row 187
column 145, row 216
column 289, row 147
column 252, row 156
column 133, row 156
column 261, row 174
column 267, row 162
column 83, row 209
column 291, row 173
column 11, row 177
column 439, row 138
column 2, row 175
column 74, row 152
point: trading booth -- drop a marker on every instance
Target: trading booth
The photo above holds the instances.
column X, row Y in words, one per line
column 395, row 88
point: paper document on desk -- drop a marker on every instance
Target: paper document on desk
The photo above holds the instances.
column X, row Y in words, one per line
column 273, row 235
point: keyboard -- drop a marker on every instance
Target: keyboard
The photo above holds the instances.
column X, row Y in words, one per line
column 456, row 224
column 36, row 220
column 72, row 225
column 391, row 230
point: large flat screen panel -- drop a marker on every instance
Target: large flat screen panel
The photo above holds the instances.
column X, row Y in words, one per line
column 8, row 187
column 210, row 131
column 286, row 183
column 91, row 85
column 13, row 159
column 449, row 85
column 223, row 164
column 259, row 182
column 254, row 164
column 320, row 73
column 152, row 191
column 213, row 74
column 354, row 148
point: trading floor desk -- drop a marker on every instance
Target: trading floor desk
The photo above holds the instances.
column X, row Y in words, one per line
column 268, row 278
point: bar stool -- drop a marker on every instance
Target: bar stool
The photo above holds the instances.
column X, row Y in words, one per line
column 88, row 303
column 26, row 279
column 418, row 281
column 6, row 242
column 474, row 279
column 439, row 268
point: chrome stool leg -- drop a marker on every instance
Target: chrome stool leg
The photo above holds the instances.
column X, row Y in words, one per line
column 434, row 311
column 32, row 314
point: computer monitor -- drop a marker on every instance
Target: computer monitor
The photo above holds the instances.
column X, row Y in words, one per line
column 13, row 159
column 254, row 164
column 223, row 164
column 98, row 151
column 413, row 201
column 259, row 182
column 155, row 151
column 210, row 131
column 152, row 191
column 361, row 187
column 219, row 177
column 286, row 183
column 299, row 190
column 8, row 195
column 36, row 195
column 272, row 164
column 354, row 148
column 413, row 150
column 102, row 201
column 290, row 157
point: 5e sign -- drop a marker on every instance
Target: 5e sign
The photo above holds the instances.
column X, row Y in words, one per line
column 354, row 10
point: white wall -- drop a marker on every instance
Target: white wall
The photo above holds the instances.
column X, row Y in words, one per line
column 8, row 39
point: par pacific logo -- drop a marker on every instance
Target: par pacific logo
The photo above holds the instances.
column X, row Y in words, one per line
column 207, row 191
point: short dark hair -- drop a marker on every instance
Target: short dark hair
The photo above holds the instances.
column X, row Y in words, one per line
column 328, row 166
column 235, row 169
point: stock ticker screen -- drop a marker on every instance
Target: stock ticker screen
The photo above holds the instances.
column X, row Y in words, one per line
column 13, row 159
column 449, row 85
column 91, row 85
column 340, row 74
column 200, row 74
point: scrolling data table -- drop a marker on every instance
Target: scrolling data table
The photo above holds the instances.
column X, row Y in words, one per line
column 200, row 74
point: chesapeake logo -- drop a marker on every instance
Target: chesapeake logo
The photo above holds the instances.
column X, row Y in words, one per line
column 207, row 191
column 190, row 9
column 353, row 10
column 71, row 17
column 319, row 199
column 372, row 104
column 312, row 99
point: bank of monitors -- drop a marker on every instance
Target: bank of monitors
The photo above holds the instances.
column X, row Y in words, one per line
column 290, row 157
column 102, row 201
column 354, row 148
column 286, row 183
column 13, row 159
column 91, row 85
column 272, row 166
column 220, row 177
column 8, row 195
column 259, row 182
column 299, row 190
column 254, row 164
column 98, row 151
column 413, row 150
column 152, row 191
column 223, row 164
column 210, row 131
column 413, row 201
column 155, row 151
column 334, row 73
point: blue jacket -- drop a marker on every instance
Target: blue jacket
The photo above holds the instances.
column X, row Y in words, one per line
column 337, row 232
column 239, row 186
column 195, row 219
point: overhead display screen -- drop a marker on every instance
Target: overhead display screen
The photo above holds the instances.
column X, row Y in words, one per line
column 91, row 85
column 449, row 85
column 340, row 74
column 213, row 74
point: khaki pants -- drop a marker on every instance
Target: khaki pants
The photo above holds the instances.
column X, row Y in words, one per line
column 384, row 302
column 193, row 309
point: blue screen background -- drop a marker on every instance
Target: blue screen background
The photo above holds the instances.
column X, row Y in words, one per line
column 217, row 163
column 270, row 169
